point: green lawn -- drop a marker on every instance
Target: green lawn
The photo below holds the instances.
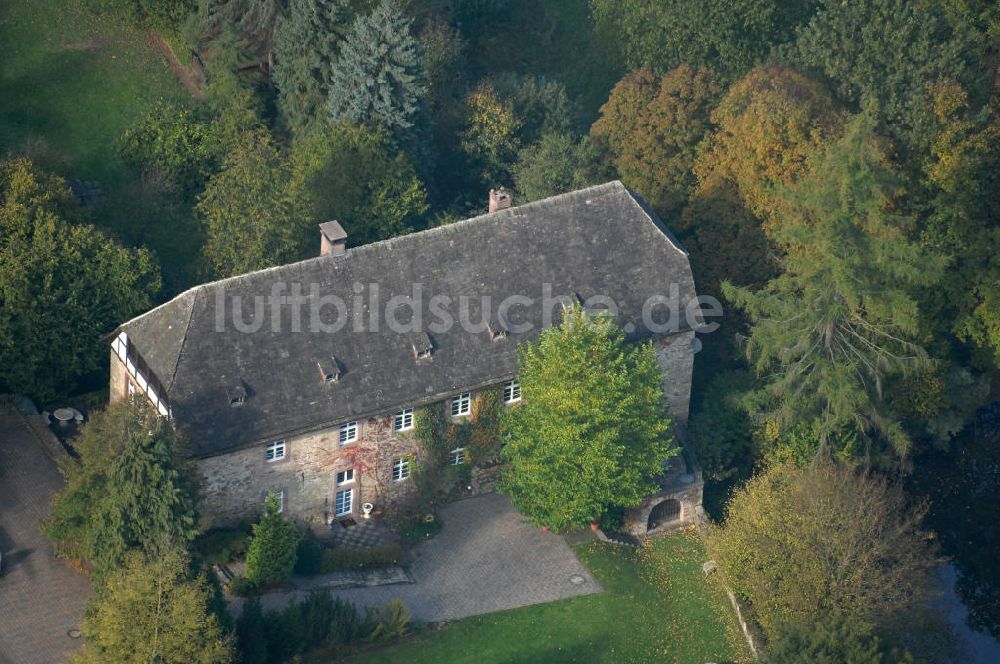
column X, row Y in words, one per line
column 71, row 82
column 657, row 606
column 76, row 81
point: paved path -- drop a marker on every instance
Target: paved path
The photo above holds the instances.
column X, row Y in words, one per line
column 41, row 598
column 485, row 559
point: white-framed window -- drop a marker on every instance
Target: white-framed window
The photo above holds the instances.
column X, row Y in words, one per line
column 344, row 502
column 461, row 404
column 348, row 432
column 279, row 495
column 400, row 469
column 345, row 477
column 275, row 451
column 457, row 456
column 403, row 420
column 511, row 391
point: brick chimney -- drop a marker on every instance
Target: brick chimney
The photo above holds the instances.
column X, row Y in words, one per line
column 500, row 199
column 333, row 239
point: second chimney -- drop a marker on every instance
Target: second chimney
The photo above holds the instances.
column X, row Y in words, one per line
column 333, row 239
column 499, row 199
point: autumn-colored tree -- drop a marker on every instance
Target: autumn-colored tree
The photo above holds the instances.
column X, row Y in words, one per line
column 726, row 240
column 490, row 137
column 653, row 126
column 769, row 124
column 803, row 541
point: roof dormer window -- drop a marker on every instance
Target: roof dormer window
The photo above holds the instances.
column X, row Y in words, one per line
column 237, row 396
column 329, row 369
column 422, row 346
column 497, row 329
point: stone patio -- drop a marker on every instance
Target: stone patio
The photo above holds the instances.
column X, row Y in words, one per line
column 41, row 597
column 485, row 559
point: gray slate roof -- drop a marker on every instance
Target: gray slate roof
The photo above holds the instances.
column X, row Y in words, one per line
column 600, row 240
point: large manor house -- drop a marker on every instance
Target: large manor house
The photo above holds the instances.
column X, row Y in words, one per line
column 324, row 419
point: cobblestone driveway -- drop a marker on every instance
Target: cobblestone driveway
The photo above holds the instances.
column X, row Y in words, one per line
column 41, row 598
column 485, row 559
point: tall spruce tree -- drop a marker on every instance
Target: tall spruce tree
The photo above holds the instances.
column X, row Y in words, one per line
column 593, row 430
column 378, row 77
column 827, row 332
column 306, row 42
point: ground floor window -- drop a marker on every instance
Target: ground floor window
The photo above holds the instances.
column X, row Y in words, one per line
column 400, row 469
column 279, row 495
column 345, row 476
column 344, row 503
column 457, row 456
column 511, row 391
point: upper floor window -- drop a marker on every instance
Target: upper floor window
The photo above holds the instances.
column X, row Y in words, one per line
column 345, row 477
column 403, row 420
column 461, row 404
column 457, row 456
column 275, row 451
column 511, row 391
column 348, row 432
column 400, row 469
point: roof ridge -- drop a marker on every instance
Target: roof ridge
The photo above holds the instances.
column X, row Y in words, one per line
column 371, row 246
column 180, row 351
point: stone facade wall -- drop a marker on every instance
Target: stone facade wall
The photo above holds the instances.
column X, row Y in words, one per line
column 236, row 483
column 636, row 520
column 675, row 355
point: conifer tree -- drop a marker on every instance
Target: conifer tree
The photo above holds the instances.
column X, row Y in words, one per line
column 129, row 490
column 274, row 548
column 152, row 611
column 306, row 42
column 378, row 77
column 827, row 332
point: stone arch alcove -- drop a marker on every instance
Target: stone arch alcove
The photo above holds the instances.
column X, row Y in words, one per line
column 663, row 513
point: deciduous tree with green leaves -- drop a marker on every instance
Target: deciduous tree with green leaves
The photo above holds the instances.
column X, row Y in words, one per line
column 827, row 332
column 730, row 37
column 557, row 164
column 249, row 212
column 63, row 283
column 356, row 175
column 593, row 429
column 883, row 54
column 151, row 610
column 130, row 490
column 274, row 547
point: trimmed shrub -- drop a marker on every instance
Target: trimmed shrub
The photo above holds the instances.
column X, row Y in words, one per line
column 345, row 623
column 310, row 560
column 334, row 560
column 222, row 545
